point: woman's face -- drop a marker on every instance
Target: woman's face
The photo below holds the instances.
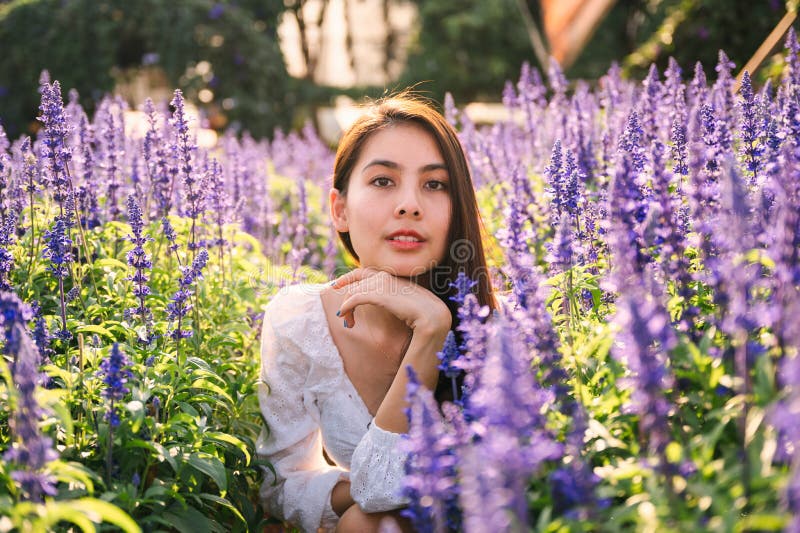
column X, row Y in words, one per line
column 397, row 206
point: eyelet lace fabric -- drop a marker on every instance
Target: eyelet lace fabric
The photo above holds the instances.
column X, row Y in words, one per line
column 308, row 402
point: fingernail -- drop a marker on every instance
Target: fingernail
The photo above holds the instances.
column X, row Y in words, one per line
column 338, row 313
column 345, row 323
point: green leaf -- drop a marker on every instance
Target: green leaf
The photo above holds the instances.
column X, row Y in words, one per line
column 101, row 511
column 216, row 436
column 110, row 262
column 212, row 467
column 208, row 386
column 167, row 455
column 73, row 473
column 99, row 330
column 762, row 522
column 186, row 519
column 225, row 503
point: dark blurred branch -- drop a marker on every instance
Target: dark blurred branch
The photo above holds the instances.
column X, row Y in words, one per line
column 535, row 36
column 769, row 44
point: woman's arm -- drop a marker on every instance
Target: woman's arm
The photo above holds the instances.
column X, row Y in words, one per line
column 426, row 315
column 298, row 487
column 341, row 500
column 427, row 340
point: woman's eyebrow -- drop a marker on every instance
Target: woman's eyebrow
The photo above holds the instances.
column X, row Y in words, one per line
column 434, row 166
column 381, row 163
column 391, row 164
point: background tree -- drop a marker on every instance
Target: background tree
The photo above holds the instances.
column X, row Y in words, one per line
column 469, row 47
column 88, row 45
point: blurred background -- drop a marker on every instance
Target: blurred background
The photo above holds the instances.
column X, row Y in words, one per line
column 258, row 65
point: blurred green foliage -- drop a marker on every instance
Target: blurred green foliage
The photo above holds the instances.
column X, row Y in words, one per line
column 469, row 47
column 84, row 43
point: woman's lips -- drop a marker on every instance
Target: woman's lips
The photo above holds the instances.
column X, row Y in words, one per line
column 405, row 244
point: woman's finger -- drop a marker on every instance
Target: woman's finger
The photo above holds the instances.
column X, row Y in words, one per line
column 382, row 289
column 367, row 288
column 353, row 276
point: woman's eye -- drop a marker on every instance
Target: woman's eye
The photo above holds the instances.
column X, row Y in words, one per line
column 382, row 182
column 436, row 185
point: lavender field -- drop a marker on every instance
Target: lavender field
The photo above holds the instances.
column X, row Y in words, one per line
column 644, row 374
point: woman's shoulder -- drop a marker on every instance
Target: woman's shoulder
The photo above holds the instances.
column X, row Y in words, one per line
column 294, row 303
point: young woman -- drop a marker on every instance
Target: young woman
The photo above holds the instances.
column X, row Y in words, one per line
column 334, row 356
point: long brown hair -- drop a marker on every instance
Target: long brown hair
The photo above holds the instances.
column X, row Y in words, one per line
column 464, row 240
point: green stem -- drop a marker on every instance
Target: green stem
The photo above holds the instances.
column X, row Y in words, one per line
column 109, row 456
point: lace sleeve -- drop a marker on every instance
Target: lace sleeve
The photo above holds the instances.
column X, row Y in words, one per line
column 377, row 470
column 299, row 489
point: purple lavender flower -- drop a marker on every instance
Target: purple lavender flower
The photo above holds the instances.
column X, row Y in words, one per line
column 218, row 201
column 41, row 335
column 673, row 82
column 115, row 373
column 183, row 148
column 648, row 105
column 563, row 178
column 179, row 305
column 784, row 414
column 430, row 482
column 462, row 286
column 698, row 86
column 723, row 87
column 8, row 227
column 86, row 194
column 138, row 259
column 517, row 233
column 447, row 357
column 750, row 135
column 645, row 339
column 628, row 207
column 560, row 256
column 56, row 130
column 155, row 156
column 169, row 233
column 31, row 450
column 680, row 154
column 572, row 485
column 58, row 248
column 450, row 110
column 631, row 141
column 111, row 141
column 14, row 314
column 507, row 407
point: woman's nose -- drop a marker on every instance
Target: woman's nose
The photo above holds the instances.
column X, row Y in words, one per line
column 408, row 206
column 408, row 203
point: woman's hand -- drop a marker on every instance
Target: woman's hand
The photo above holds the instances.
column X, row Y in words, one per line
column 418, row 307
column 422, row 311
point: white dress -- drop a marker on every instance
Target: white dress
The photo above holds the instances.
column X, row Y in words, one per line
column 308, row 402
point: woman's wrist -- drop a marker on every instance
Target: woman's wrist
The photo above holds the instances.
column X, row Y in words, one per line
column 434, row 325
column 341, row 500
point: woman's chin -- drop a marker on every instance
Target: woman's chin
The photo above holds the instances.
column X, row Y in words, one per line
column 410, row 271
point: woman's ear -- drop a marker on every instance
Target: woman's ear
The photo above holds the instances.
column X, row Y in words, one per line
column 338, row 212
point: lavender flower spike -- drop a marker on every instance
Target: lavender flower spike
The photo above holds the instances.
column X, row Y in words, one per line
column 508, row 407
column 31, row 450
column 430, row 481
column 646, row 337
column 180, row 306
column 138, row 259
column 115, row 373
column 56, row 131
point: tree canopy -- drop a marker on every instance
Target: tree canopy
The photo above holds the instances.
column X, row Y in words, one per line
column 83, row 43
